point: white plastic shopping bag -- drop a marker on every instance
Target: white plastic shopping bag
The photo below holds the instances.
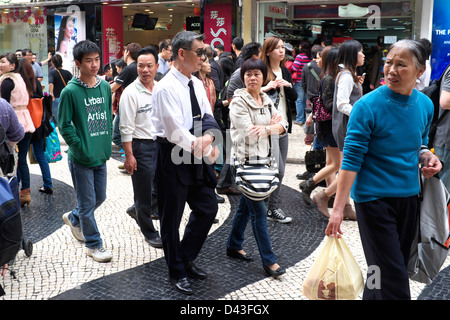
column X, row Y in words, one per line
column 335, row 275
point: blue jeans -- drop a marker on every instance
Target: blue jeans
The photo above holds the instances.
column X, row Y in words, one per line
column 257, row 212
column 90, row 189
column 23, row 172
column 444, row 156
column 300, row 103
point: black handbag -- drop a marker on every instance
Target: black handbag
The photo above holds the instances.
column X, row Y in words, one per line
column 315, row 160
column 7, row 160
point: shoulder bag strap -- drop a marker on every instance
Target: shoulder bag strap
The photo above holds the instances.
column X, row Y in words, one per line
column 314, row 73
column 61, row 77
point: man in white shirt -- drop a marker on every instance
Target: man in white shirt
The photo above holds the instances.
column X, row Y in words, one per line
column 165, row 54
column 175, row 111
column 136, row 131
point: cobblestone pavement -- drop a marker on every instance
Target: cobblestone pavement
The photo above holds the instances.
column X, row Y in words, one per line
column 58, row 268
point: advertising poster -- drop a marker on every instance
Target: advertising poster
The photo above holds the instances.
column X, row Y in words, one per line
column 217, row 25
column 112, row 33
column 69, row 30
column 440, row 57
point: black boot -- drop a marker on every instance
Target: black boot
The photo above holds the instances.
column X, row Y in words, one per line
column 307, row 187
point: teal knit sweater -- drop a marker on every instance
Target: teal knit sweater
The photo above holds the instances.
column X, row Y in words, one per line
column 384, row 134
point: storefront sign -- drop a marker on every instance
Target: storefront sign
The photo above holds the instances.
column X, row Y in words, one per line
column 112, row 33
column 440, row 57
column 356, row 10
column 277, row 10
column 217, row 25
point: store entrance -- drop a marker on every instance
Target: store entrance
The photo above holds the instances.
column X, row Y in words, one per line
column 167, row 17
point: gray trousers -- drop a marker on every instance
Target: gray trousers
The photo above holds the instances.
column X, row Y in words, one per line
column 280, row 149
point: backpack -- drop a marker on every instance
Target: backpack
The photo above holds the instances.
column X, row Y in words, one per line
column 433, row 91
column 6, row 156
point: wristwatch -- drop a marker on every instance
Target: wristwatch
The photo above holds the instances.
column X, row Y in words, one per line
column 267, row 130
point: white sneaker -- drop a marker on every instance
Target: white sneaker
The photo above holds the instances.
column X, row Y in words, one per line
column 99, row 254
column 76, row 231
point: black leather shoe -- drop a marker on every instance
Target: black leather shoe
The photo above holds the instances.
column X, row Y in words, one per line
column 131, row 211
column 237, row 255
column 155, row 242
column 194, row 272
column 182, row 285
column 274, row 273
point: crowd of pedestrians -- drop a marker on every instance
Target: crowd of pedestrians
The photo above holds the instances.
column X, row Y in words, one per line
column 180, row 110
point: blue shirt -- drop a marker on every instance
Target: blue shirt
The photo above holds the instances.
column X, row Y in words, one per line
column 384, row 134
column 164, row 66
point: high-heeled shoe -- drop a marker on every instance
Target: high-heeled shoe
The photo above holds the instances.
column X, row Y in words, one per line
column 46, row 190
column 274, row 273
column 24, row 197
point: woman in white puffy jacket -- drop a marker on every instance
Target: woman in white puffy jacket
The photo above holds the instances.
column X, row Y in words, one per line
column 253, row 121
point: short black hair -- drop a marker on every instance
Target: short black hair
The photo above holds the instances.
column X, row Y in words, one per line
column 84, row 47
column 57, row 61
column 164, row 44
column 250, row 49
column 219, row 46
column 148, row 50
column 254, row 64
column 133, row 49
column 238, row 42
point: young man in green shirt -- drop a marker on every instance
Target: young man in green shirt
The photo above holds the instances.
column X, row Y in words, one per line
column 85, row 123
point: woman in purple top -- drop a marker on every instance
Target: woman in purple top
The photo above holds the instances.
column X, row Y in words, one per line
column 8, row 119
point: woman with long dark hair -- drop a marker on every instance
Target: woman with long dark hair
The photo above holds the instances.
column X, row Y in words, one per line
column 347, row 91
column 65, row 42
column 37, row 140
column 328, row 62
column 16, row 88
column 279, row 87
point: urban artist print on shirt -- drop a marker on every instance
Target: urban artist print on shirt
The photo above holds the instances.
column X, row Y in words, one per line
column 97, row 118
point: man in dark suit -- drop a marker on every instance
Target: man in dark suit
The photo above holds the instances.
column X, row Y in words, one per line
column 216, row 69
column 185, row 152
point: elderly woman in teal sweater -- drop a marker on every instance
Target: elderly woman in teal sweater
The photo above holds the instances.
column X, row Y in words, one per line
column 386, row 140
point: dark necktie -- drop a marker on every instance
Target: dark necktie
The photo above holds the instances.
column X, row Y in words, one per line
column 196, row 113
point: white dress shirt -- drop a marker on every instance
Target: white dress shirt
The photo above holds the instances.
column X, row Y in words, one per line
column 172, row 113
column 135, row 112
